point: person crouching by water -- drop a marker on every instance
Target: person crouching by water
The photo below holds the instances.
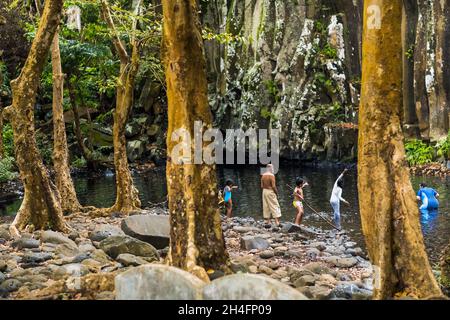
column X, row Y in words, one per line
column 271, row 207
column 227, row 191
column 298, row 199
column 428, row 196
column 336, row 198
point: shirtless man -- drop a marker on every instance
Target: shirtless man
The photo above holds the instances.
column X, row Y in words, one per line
column 271, row 207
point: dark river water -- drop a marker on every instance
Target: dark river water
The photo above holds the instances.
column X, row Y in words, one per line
column 100, row 191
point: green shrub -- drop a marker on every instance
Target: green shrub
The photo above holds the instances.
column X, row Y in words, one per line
column 8, row 140
column 418, row 152
column 7, row 169
column 443, row 147
column 79, row 163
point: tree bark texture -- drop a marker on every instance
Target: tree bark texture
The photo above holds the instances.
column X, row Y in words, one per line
column 196, row 238
column 389, row 212
column 41, row 204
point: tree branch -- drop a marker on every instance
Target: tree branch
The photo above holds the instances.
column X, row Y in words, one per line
column 121, row 51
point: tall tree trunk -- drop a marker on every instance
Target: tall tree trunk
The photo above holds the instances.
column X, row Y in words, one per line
column 389, row 212
column 439, row 114
column 127, row 198
column 420, row 70
column 64, row 183
column 409, row 28
column 445, row 268
column 41, row 204
column 196, row 239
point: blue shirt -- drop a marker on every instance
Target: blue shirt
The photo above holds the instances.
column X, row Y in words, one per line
column 227, row 194
column 428, row 197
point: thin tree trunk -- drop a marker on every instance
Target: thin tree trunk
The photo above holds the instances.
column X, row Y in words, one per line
column 420, row 70
column 440, row 112
column 409, row 29
column 41, row 205
column 64, row 183
column 389, row 212
column 127, row 198
column 196, row 239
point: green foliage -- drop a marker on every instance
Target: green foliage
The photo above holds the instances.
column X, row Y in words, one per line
column 410, row 53
column 326, row 113
column 267, row 114
column 418, row 152
column 223, row 38
column 443, row 147
column 7, row 169
column 272, row 89
column 79, row 163
column 328, row 52
column 8, row 140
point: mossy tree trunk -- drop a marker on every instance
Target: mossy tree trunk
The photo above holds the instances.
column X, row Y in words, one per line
column 445, row 268
column 41, row 204
column 389, row 212
column 196, row 238
column 127, row 199
column 64, row 183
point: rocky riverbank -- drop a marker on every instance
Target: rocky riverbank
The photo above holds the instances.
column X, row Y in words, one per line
column 82, row 265
column 432, row 169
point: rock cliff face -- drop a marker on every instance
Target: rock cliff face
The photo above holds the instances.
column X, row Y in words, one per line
column 296, row 66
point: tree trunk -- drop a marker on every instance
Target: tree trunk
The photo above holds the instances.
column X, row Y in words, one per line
column 64, row 183
column 127, row 198
column 409, row 28
column 439, row 114
column 41, row 204
column 445, row 268
column 196, row 239
column 389, row 213
column 420, row 70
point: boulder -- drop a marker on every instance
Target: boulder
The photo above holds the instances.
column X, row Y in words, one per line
column 249, row 287
column 267, row 254
column 10, row 285
column 351, row 291
column 103, row 231
column 130, row 260
column 2, row 277
column 36, row 257
column 158, row 282
column 4, row 233
column 306, row 280
column 317, row 292
column 56, row 238
column 66, row 250
column 26, row 243
column 242, row 229
column 116, row 245
column 250, row 243
column 135, row 149
column 342, row 262
column 319, row 268
column 3, row 266
column 153, row 229
column 321, row 246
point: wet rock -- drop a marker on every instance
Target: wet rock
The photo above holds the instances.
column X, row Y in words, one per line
column 130, row 260
column 36, row 257
column 351, row 291
column 249, row 287
column 215, row 274
column 103, row 231
column 267, row 254
column 153, row 229
column 113, row 246
column 158, row 282
column 250, row 243
column 56, row 238
column 10, row 285
column 26, row 243
column 289, row 227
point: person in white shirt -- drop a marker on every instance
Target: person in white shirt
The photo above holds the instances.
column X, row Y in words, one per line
column 336, row 198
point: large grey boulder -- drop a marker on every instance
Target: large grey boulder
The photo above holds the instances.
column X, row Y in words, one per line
column 158, row 282
column 250, row 243
column 49, row 236
column 250, row 287
column 153, row 229
column 117, row 245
